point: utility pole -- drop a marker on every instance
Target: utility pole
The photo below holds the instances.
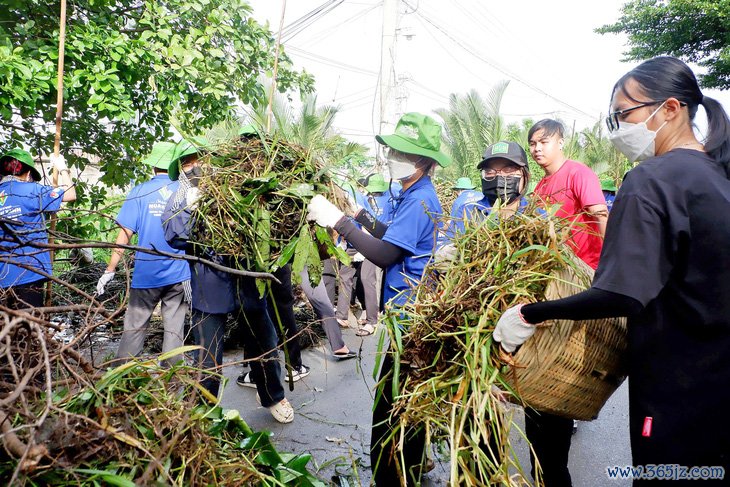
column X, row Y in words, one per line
column 387, row 69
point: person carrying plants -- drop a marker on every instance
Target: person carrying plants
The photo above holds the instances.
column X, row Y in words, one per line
column 665, row 266
column 156, row 278
column 216, row 293
column 23, row 203
column 404, row 250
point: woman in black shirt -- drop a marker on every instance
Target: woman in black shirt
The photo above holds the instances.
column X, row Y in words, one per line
column 665, row 265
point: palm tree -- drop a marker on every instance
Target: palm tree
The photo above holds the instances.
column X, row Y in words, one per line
column 471, row 123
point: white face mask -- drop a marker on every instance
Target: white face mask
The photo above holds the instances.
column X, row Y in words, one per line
column 400, row 166
column 635, row 140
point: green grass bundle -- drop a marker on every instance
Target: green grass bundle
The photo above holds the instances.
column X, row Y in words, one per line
column 142, row 424
column 453, row 379
column 254, row 196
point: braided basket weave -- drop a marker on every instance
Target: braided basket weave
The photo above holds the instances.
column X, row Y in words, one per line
column 571, row 368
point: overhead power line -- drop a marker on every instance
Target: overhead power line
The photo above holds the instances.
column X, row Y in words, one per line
column 474, row 52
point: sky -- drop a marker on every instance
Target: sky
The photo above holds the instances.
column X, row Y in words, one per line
column 556, row 65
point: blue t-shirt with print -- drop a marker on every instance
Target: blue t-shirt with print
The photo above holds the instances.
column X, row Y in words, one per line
column 382, row 206
column 476, row 209
column 22, row 205
column 141, row 213
column 458, row 215
column 610, row 197
column 413, row 230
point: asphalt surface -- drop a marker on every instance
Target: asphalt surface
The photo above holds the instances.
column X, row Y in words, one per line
column 333, row 412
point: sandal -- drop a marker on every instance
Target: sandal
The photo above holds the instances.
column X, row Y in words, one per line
column 344, row 355
column 365, row 330
column 343, row 323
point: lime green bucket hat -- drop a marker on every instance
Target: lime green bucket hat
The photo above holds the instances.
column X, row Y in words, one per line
column 463, row 183
column 417, row 134
column 24, row 157
column 608, row 185
column 184, row 148
column 376, row 184
column 161, row 155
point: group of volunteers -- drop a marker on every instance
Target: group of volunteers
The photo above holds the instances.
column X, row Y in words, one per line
column 660, row 259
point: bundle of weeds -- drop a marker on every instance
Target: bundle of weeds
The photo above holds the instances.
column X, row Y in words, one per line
column 141, row 424
column 453, row 383
column 254, row 196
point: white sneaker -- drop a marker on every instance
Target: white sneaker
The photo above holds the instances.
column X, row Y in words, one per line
column 297, row 373
column 281, row 411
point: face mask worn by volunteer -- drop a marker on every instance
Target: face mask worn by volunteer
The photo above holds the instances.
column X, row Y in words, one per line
column 400, row 166
column 635, row 140
column 505, row 188
column 193, row 174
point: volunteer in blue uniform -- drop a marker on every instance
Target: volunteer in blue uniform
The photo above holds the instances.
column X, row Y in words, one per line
column 466, row 194
column 380, row 202
column 156, row 279
column 216, row 293
column 23, row 203
column 609, row 192
column 404, row 251
column 665, row 265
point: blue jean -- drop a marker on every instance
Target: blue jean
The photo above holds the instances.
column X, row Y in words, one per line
column 259, row 342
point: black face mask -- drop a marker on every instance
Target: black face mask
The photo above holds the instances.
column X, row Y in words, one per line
column 194, row 174
column 505, row 188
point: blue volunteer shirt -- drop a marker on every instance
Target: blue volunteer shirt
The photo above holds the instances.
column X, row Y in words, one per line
column 610, row 197
column 382, row 206
column 141, row 213
column 413, row 230
column 466, row 199
column 23, row 203
column 474, row 209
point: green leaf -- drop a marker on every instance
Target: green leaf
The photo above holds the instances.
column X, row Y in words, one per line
column 108, row 477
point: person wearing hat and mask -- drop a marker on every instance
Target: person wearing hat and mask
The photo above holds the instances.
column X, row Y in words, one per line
column 23, row 203
column 216, row 293
column 413, row 152
column 156, row 279
column 380, row 205
column 505, row 176
column 608, row 186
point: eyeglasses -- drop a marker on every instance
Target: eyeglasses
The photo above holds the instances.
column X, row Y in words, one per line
column 612, row 118
column 489, row 174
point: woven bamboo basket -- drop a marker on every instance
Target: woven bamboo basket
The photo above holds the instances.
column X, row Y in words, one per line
column 571, row 368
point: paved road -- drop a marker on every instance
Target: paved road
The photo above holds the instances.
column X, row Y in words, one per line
column 333, row 417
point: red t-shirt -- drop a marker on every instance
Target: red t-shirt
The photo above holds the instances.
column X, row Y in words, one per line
column 575, row 187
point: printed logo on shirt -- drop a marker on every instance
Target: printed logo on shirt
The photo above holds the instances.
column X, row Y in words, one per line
column 165, row 193
column 3, row 198
column 500, row 148
column 55, row 193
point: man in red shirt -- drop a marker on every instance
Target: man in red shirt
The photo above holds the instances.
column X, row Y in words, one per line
column 573, row 187
column 573, row 191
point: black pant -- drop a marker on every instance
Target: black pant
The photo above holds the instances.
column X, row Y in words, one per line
column 383, row 450
column 281, row 302
column 550, row 437
column 30, row 295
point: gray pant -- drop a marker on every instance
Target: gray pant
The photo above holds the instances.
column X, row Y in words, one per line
column 323, row 309
column 346, row 274
column 370, row 277
column 329, row 276
column 142, row 303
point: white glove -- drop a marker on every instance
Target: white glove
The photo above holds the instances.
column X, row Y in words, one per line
column 191, row 197
column 58, row 162
column 323, row 213
column 103, row 281
column 358, row 257
column 446, row 253
column 512, row 330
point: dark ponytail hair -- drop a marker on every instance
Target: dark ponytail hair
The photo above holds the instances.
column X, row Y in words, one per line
column 667, row 77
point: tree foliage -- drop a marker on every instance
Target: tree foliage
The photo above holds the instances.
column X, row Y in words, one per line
column 471, row 123
column 696, row 31
column 131, row 66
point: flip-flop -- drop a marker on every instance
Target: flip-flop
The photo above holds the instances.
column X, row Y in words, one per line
column 344, row 355
column 365, row 330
